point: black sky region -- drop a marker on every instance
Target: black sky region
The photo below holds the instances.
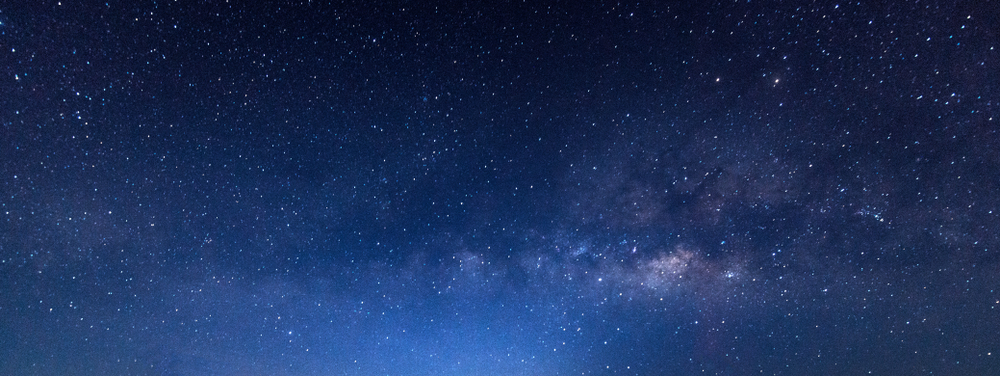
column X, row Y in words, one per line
column 506, row 188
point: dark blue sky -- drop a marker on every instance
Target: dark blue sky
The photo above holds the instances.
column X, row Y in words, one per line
column 518, row 188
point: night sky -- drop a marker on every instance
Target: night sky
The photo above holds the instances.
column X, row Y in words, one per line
column 508, row 188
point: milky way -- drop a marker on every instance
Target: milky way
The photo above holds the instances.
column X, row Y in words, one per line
column 551, row 188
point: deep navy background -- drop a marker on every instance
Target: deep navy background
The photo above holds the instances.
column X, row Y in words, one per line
column 512, row 188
